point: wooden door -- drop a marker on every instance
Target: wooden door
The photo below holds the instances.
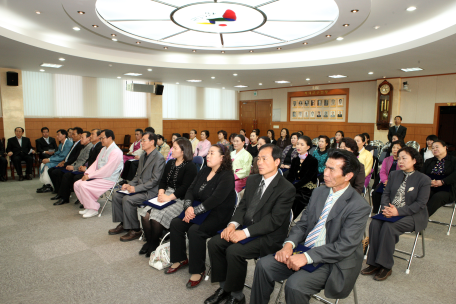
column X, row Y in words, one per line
column 247, row 116
column 256, row 114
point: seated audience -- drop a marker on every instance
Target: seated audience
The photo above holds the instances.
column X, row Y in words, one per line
column 389, row 165
column 271, row 136
column 204, row 145
column 367, row 145
column 242, row 163
column 214, row 188
column 176, row 179
column 300, row 133
column 336, row 244
column 284, row 140
column 20, row 149
column 101, row 176
column 68, row 179
column 57, row 174
column 387, row 147
column 48, row 168
column 405, row 195
column 62, row 152
column 364, row 157
column 261, row 142
column 193, row 140
column 45, row 146
column 251, row 148
column 442, row 170
column 357, row 182
column 70, row 133
column 3, row 163
column 150, row 130
column 426, row 152
column 144, row 186
column 173, row 139
column 162, row 146
column 232, row 136
column 321, row 154
column 257, row 131
column 222, row 136
column 289, row 153
column 247, row 141
column 337, row 139
column 303, row 175
column 135, row 150
column 264, row 217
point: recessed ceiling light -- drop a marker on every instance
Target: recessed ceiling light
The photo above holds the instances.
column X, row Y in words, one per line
column 239, row 81
column 354, row 11
column 240, row 86
column 81, row 12
column 118, row 77
column 76, row 28
column 346, row 24
column 38, row 12
column 194, row 51
column 137, row 42
column 251, row 51
column 165, row 47
column 376, row 27
column 212, row 77
column 95, row 25
column 41, row 70
column 114, row 39
column 234, row 74
column 337, row 76
column 194, row 80
column 223, row 52
column 327, row 36
column 51, row 65
column 223, row 88
column 62, row 59
column 370, row 73
column 282, row 81
column 279, row 48
column 384, row 76
column 110, row 65
column 150, row 70
column 260, row 83
column 305, row 43
column 412, row 69
column 132, row 74
column 411, row 8
column 340, row 38
column 177, row 82
column 113, row 35
column 329, row 81
column 307, row 79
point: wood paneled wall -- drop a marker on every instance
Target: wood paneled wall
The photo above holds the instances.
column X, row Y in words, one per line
column 184, row 126
column 419, row 132
column 120, row 126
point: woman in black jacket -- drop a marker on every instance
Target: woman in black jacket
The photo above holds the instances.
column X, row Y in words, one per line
column 214, row 188
column 178, row 175
column 303, row 174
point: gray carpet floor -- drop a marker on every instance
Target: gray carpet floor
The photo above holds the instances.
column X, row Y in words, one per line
column 49, row 254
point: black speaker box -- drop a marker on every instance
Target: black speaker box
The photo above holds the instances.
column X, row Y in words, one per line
column 159, row 89
column 12, row 78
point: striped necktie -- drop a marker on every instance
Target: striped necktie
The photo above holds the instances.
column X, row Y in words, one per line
column 313, row 235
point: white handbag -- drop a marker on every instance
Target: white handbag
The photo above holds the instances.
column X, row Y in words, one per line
column 160, row 258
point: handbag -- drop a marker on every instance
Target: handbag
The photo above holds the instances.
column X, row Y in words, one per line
column 160, row 258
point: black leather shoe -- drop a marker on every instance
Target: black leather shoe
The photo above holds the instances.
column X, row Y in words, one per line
column 144, row 248
column 57, row 197
column 77, row 202
column 40, row 189
column 60, row 202
column 232, row 300
column 81, row 206
column 218, row 296
column 47, row 188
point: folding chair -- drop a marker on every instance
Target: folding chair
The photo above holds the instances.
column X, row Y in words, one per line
column 412, row 254
column 311, row 151
column 199, row 162
column 110, row 193
column 450, row 224
column 355, row 296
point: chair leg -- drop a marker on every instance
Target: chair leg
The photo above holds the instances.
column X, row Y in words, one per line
column 355, row 294
column 208, row 273
column 107, row 199
column 451, row 221
column 280, row 291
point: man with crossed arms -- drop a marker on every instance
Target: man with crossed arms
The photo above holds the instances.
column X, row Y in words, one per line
column 332, row 226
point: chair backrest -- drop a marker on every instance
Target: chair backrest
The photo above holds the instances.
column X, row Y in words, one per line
column 199, row 162
column 127, row 140
column 331, row 140
column 376, row 152
column 413, row 144
column 311, row 151
column 315, row 142
column 382, row 157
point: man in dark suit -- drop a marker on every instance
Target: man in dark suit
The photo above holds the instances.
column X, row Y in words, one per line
column 264, row 213
column 68, row 179
column 3, row 163
column 397, row 129
column 332, row 228
column 45, row 146
column 19, row 149
column 144, row 184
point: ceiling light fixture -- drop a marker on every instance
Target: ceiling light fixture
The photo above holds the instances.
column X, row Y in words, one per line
column 223, row 88
column 251, row 51
column 234, row 74
column 76, row 28
column 412, row 69
column 194, row 80
column 307, row 79
column 240, row 86
column 370, row 73
column 38, row 12
column 223, row 52
column 51, row 65
column 62, row 59
column 305, row 43
column 165, row 47
column 376, row 27
column 346, row 24
column 137, row 42
column 114, row 39
column 282, row 81
column 41, row 70
column 260, row 83
column 110, row 65
column 150, row 70
column 113, row 35
column 177, row 82
column 279, row 48
column 384, row 76
column 354, row 11
column 81, row 12
column 327, row 36
column 340, row 38
column 411, row 8
column 132, row 74
column 212, row 77
column 118, row 77
column 194, row 51
column 337, row 76
column 95, row 25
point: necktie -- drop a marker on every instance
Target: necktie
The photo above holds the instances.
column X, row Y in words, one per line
column 248, row 217
column 313, row 235
column 397, row 128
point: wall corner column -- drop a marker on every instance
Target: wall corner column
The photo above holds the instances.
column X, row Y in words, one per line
column 155, row 104
column 12, row 100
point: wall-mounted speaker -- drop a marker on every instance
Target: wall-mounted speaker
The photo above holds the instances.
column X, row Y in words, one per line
column 12, row 78
column 159, row 89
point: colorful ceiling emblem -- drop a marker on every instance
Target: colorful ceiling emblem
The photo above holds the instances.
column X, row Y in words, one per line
column 228, row 16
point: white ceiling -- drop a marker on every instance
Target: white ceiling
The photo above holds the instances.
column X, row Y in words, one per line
column 425, row 38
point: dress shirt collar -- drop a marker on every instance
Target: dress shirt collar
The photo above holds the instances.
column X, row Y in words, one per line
column 46, row 139
column 339, row 193
column 361, row 150
column 268, row 180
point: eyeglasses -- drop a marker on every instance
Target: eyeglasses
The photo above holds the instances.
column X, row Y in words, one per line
column 102, row 137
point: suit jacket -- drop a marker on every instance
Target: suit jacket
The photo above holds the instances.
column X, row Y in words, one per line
column 42, row 145
column 149, row 173
column 94, row 154
column 83, row 156
column 60, row 154
column 345, row 227
column 272, row 216
column 74, row 154
column 2, row 148
column 449, row 170
column 13, row 146
column 400, row 132
column 417, row 191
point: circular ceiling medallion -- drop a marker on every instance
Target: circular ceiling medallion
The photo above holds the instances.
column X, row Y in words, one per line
column 221, row 25
column 218, row 17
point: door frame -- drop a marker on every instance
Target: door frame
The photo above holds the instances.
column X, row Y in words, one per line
column 267, row 100
column 437, row 115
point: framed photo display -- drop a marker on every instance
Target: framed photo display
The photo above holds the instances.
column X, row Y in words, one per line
column 322, row 108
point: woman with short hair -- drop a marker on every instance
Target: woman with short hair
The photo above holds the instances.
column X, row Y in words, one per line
column 426, row 152
column 289, row 153
column 337, row 139
column 271, row 136
column 252, row 147
column 173, row 139
column 365, row 157
column 284, row 139
column 222, row 135
column 204, row 145
column 242, row 162
column 321, row 153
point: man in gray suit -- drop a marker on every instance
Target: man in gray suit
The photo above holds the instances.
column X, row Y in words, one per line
column 332, row 227
column 144, row 186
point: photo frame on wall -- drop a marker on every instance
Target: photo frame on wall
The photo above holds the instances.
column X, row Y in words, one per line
column 306, row 103
column 340, row 102
column 319, row 114
column 332, row 103
column 312, row 114
column 300, row 104
column 313, row 103
column 321, row 108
